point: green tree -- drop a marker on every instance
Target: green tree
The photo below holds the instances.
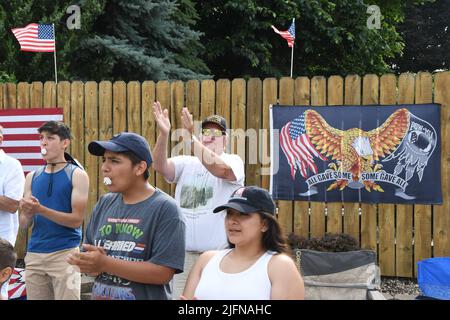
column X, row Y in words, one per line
column 32, row 66
column 118, row 40
column 331, row 38
column 139, row 40
column 426, row 30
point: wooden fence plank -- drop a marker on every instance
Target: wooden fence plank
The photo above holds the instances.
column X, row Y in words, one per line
column 285, row 208
column 386, row 212
column 423, row 213
column 334, row 209
column 208, row 99
column 63, row 96
column 193, row 101
column 10, row 96
column 148, row 122
column 351, row 210
column 134, row 107
column 302, row 96
column 238, row 110
column 105, row 125
column 23, row 95
column 223, row 99
column 36, row 95
column 317, row 216
column 254, row 104
column 404, row 213
column 77, row 121
column 177, row 104
column 371, row 86
column 119, row 107
column 441, row 213
column 163, row 96
column 91, row 126
column 270, row 86
column 50, row 94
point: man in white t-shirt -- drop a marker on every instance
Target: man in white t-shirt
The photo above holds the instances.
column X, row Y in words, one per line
column 203, row 181
column 12, row 181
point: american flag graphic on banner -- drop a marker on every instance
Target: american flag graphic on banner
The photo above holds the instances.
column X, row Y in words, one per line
column 297, row 147
column 20, row 135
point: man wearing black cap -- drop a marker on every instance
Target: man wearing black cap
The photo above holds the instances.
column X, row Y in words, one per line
column 54, row 201
column 135, row 239
column 203, row 180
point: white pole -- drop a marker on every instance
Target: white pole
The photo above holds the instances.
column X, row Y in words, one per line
column 292, row 52
column 292, row 60
column 54, row 53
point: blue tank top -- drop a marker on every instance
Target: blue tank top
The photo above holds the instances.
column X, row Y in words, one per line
column 48, row 236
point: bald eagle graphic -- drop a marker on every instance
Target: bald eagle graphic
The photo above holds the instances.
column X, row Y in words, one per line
column 355, row 150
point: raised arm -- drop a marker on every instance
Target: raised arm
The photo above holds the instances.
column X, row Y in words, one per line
column 74, row 219
column 161, row 163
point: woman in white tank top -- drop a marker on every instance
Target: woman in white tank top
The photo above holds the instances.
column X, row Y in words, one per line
column 257, row 265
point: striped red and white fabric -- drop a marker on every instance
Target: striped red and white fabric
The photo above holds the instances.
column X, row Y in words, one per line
column 36, row 37
column 20, row 135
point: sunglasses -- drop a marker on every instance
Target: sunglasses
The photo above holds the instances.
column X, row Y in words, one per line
column 214, row 132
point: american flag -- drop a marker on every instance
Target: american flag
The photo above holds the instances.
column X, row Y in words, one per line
column 298, row 148
column 20, row 135
column 289, row 35
column 36, row 37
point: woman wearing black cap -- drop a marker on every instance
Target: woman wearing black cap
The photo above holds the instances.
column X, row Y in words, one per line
column 257, row 266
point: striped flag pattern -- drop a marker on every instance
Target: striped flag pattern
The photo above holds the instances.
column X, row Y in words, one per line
column 20, row 135
column 297, row 147
column 36, row 37
column 289, row 35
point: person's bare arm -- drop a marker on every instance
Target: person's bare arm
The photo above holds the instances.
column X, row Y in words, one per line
column 161, row 163
column 8, row 204
column 195, row 275
column 26, row 216
column 287, row 283
column 95, row 261
column 74, row 219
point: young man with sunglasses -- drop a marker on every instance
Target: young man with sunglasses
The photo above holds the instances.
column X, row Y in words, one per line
column 203, row 180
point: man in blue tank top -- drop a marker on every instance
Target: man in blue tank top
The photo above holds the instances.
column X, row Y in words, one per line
column 54, row 203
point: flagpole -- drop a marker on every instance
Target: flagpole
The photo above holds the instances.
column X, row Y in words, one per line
column 54, row 53
column 292, row 52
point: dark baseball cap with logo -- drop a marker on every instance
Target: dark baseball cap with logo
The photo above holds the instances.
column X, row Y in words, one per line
column 250, row 199
column 122, row 142
column 216, row 119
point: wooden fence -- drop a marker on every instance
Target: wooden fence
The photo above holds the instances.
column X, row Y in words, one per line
column 401, row 234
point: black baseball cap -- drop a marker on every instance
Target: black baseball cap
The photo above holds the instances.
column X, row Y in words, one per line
column 250, row 199
column 216, row 119
column 122, row 142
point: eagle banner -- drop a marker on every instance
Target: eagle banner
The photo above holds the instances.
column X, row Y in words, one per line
column 369, row 154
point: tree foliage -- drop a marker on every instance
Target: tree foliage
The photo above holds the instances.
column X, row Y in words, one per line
column 332, row 38
column 426, row 31
column 118, row 40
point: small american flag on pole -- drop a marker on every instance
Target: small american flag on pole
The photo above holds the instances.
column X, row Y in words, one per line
column 36, row 37
column 289, row 35
column 21, row 138
column 297, row 147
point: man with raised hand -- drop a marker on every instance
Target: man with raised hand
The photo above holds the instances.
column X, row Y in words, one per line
column 203, row 180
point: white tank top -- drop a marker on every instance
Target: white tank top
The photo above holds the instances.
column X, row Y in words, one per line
column 250, row 284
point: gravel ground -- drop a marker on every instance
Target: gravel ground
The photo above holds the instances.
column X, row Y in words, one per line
column 395, row 286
